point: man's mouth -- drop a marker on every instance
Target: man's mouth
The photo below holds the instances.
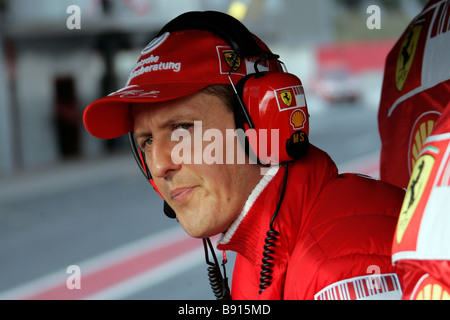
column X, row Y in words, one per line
column 180, row 194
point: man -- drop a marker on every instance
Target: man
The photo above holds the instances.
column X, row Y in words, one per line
column 414, row 124
column 301, row 230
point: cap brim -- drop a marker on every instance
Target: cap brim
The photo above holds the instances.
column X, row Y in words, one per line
column 110, row 117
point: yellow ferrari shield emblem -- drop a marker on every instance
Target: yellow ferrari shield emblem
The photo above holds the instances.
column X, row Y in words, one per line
column 286, row 96
column 406, row 56
column 233, row 60
column 416, row 187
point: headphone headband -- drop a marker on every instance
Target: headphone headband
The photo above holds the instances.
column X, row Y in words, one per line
column 240, row 39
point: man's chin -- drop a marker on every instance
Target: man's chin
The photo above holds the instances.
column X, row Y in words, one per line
column 199, row 234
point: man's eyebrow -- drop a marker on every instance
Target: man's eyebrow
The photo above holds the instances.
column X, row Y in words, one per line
column 140, row 134
column 176, row 120
column 167, row 123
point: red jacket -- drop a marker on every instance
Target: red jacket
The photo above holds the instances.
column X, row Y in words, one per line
column 416, row 90
column 414, row 123
column 421, row 246
column 335, row 234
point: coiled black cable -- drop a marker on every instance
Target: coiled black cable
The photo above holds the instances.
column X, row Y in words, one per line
column 271, row 239
column 219, row 283
column 267, row 265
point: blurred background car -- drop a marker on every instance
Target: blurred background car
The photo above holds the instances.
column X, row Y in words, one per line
column 336, row 84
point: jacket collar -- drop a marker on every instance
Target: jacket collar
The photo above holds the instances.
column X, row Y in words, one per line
column 243, row 234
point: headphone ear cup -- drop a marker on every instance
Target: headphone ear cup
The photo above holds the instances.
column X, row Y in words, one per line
column 276, row 104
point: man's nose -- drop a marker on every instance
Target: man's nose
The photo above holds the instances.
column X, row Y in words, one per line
column 160, row 160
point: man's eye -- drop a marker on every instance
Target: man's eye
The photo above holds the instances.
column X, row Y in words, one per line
column 185, row 126
column 147, row 142
column 181, row 130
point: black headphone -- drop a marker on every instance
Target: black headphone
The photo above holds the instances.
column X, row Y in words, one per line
column 291, row 120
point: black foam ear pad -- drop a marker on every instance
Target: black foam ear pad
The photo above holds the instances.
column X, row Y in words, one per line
column 297, row 145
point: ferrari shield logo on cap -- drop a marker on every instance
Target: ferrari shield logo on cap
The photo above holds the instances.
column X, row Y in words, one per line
column 232, row 59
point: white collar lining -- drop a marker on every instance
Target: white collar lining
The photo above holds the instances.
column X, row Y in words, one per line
column 226, row 237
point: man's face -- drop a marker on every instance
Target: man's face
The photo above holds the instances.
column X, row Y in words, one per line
column 207, row 198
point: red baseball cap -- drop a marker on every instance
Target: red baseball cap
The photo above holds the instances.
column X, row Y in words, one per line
column 171, row 66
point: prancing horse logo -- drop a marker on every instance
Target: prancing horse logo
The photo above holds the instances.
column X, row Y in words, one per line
column 233, row 60
column 286, row 96
column 406, row 56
